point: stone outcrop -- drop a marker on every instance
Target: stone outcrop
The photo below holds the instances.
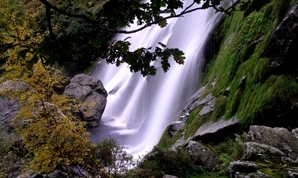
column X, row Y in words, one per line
column 194, row 102
column 217, row 130
column 279, row 138
column 91, row 92
column 9, row 104
column 202, row 155
column 268, row 152
column 282, row 46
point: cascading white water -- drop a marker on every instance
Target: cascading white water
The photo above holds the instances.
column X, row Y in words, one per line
column 140, row 108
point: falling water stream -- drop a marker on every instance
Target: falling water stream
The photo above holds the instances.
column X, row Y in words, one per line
column 140, row 108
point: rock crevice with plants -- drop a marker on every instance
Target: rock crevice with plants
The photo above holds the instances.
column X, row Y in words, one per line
column 250, row 81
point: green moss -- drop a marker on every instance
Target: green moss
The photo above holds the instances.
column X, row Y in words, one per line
column 233, row 103
column 195, row 122
column 263, row 96
column 240, row 55
column 167, row 140
column 220, row 106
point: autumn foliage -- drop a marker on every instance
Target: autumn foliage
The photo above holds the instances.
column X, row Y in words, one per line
column 47, row 121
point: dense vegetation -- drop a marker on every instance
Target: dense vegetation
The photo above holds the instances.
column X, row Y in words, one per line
column 46, row 134
column 79, row 31
column 38, row 33
column 244, row 86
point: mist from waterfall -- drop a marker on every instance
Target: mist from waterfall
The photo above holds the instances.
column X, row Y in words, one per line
column 140, row 108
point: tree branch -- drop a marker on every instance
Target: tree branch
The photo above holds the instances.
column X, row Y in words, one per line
column 49, row 23
column 185, row 11
column 49, row 5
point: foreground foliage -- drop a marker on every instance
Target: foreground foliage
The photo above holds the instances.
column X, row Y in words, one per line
column 52, row 135
column 161, row 162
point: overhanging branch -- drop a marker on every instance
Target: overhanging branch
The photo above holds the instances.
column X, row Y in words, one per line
column 185, row 11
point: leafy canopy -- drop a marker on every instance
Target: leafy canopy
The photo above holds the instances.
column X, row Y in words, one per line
column 81, row 31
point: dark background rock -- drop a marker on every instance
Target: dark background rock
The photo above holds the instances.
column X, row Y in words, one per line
column 283, row 44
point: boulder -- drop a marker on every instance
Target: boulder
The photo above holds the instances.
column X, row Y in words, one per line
column 202, row 155
column 91, row 92
column 215, row 131
column 241, row 166
column 253, row 150
column 280, row 138
column 267, row 150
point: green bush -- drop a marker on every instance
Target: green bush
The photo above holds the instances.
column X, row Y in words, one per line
column 161, row 162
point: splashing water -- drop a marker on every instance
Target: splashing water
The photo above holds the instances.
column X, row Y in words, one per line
column 140, row 108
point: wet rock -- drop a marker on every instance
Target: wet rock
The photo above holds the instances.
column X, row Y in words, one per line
column 190, row 105
column 179, row 143
column 202, row 155
column 215, row 131
column 280, row 138
column 175, row 126
column 241, row 166
column 253, row 150
column 91, row 92
column 208, row 108
column 282, row 45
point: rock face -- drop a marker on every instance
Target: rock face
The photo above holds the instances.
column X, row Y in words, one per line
column 194, row 102
column 202, row 155
column 282, row 45
column 9, row 105
column 217, row 130
column 279, row 138
column 92, row 94
column 268, row 152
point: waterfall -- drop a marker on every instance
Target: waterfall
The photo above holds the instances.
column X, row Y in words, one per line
column 140, row 108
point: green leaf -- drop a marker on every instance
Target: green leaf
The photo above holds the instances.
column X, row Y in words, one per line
column 163, row 23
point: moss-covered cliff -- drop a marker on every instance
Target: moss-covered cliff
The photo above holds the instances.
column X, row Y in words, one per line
column 241, row 76
column 250, row 80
